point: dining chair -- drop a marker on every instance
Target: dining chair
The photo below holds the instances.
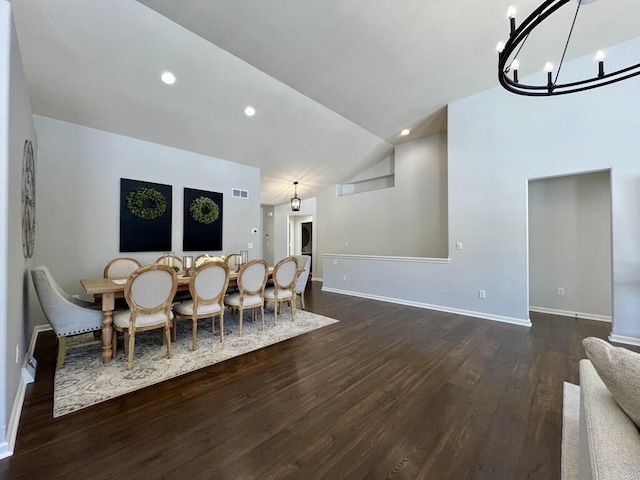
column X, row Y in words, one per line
column 202, row 255
column 284, row 277
column 67, row 316
column 251, row 281
column 149, row 292
column 233, row 259
column 208, row 285
column 304, row 266
column 176, row 261
column 121, row 267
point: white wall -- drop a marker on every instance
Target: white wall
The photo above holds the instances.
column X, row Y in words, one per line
column 570, row 245
column 79, row 175
column 16, row 126
column 409, row 219
column 496, row 142
column 267, row 233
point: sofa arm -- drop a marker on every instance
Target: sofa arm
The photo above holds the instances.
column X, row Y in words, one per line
column 609, row 440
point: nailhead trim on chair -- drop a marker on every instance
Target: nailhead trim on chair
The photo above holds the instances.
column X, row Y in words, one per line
column 76, row 332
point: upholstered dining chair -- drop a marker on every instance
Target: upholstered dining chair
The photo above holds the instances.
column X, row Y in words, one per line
column 149, row 292
column 304, row 266
column 284, row 277
column 233, row 259
column 208, row 285
column 121, row 267
column 251, row 281
column 67, row 316
column 202, row 255
column 176, row 261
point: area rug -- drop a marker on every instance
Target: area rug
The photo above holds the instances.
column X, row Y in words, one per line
column 85, row 381
column 570, row 430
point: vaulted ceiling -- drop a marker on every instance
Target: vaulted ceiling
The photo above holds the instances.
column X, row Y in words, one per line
column 333, row 82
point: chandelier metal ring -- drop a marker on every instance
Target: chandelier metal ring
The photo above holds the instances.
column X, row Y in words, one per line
column 517, row 38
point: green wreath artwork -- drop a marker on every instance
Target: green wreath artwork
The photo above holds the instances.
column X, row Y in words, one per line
column 140, row 198
column 204, row 210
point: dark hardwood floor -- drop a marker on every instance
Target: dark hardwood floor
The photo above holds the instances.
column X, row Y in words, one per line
column 390, row 392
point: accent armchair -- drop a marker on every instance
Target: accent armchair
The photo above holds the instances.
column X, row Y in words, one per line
column 67, row 316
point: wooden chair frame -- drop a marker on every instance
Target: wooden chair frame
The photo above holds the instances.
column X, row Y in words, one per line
column 135, row 309
column 199, row 300
column 233, row 255
column 278, row 287
column 244, row 292
column 105, row 273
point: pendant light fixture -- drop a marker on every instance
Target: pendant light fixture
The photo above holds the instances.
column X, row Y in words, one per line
column 508, row 62
column 295, row 201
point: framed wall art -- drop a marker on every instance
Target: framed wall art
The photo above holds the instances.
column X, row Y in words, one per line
column 202, row 220
column 145, row 216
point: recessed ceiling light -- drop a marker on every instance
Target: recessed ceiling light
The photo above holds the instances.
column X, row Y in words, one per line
column 168, row 78
column 405, row 132
column 249, row 111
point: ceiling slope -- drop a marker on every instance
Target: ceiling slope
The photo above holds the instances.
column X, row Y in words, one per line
column 333, row 81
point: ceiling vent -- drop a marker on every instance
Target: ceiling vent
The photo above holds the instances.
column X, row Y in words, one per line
column 238, row 193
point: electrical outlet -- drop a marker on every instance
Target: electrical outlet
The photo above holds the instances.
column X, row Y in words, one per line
column 482, row 294
column 250, row 245
column 458, row 245
column 344, row 277
column 335, row 261
column 346, row 244
column 561, row 292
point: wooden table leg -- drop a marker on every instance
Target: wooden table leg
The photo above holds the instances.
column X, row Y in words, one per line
column 107, row 330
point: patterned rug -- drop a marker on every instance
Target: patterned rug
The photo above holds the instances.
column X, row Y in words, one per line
column 85, row 381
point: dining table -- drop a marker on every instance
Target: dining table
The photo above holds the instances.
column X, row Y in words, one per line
column 113, row 287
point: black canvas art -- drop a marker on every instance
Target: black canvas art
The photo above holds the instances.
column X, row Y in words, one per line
column 145, row 216
column 202, row 220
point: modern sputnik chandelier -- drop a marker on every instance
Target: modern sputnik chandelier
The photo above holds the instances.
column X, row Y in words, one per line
column 508, row 63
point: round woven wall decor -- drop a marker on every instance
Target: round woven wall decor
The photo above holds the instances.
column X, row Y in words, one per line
column 146, row 203
column 28, row 200
column 204, row 210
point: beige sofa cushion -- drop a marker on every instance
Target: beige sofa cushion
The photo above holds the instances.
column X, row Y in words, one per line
column 609, row 441
column 619, row 369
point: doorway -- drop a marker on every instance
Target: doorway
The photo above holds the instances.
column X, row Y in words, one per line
column 570, row 253
column 300, row 239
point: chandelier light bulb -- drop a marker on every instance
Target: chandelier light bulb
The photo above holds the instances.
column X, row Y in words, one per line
column 515, row 65
column 548, row 67
column 500, row 47
column 600, row 56
column 511, row 12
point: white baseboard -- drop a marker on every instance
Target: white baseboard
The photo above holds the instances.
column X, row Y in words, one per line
column 440, row 308
column 14, row 420
column 626, row 340
column 565, row 313
column 34, row 336
column 6, row 448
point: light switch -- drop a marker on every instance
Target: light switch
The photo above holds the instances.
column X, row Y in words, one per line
column 458, row 245
column 250, row 245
